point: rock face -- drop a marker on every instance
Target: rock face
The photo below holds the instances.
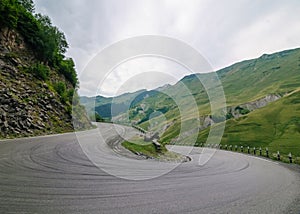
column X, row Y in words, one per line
column 238, row 111
column 28, row 105
column 232, row 112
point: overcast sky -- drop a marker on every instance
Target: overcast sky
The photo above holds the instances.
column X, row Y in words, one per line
column 224, row 32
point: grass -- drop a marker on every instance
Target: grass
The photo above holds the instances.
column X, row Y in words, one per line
column 143, row 149
column 276, row 126
column 138, row 146
column 272, row 155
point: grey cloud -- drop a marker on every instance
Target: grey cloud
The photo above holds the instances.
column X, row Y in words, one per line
column 217, row 29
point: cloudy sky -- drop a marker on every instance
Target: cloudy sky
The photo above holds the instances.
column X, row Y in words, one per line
column 223, row 32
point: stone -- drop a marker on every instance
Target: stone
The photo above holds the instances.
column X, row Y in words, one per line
column 49, row 107
column 5, row 124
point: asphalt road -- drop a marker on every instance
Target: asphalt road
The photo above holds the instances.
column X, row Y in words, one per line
column 58, row 174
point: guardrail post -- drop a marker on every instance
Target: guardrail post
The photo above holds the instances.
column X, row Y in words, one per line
column 267, row 152
column 290, row 157
column 235, row 147
column 226, row 146
column 260, row 151
column 254, row 151
column 248, row 149
column 242, row 149
column 157, row 145
column 230, row 147
column 220, row 146
column 278, row 155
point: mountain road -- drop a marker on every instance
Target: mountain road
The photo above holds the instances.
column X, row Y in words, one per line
column 87, row 172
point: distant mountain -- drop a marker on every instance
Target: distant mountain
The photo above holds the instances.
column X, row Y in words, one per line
column 108, row 107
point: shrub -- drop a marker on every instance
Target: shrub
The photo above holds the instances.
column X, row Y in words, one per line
column 60, row 88
column 41, row 71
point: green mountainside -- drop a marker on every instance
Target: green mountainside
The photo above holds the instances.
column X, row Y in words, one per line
column 38, row 90
column 276, row 73
column 276, row 126
column 262, row 106
column 108, row 107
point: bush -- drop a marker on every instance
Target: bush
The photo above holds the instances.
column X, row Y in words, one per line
column 60, row 88
column 66, row 67
column 41, row 71
column 244, row 111
column 229, row 116
column 70, row 95
column 98, row 118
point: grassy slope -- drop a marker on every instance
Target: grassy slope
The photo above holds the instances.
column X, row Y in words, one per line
column 276, row 126
column 247, row 81
column 250, row 80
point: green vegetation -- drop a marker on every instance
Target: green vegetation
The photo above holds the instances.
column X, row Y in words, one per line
column 108, row 107
column 243, row 82
column 41, row 71
column 47, row 42
column 275, row 126
column 98, row 118
column 146, row 149
column 65, row 96
column 138, row 146
column 250, row 80
column 37, row 75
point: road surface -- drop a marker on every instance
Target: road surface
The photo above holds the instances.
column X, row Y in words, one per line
column 58, row 174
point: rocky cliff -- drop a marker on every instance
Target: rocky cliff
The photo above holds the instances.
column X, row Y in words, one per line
column 29, row 104
column 240, row 110
column 232, row 112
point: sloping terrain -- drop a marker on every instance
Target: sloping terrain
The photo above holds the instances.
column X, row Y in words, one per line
column 37, row 83
column 276, row 126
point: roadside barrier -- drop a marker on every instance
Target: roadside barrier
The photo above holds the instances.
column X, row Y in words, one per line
column 139, row 129
column 256, row 152
column 290, row 158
